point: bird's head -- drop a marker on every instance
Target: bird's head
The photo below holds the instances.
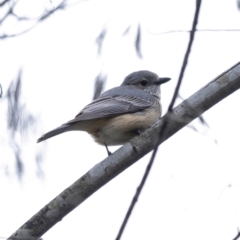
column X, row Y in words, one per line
column 146, row 81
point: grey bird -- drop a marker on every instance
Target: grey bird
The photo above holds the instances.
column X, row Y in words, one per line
column 120, row 113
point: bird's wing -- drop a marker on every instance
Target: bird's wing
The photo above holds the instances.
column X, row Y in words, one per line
column 120, row 100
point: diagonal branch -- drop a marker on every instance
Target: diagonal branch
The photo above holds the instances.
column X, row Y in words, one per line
column 4, row 2
column 215, row 91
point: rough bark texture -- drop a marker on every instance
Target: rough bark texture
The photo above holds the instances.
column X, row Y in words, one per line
column 103, row 172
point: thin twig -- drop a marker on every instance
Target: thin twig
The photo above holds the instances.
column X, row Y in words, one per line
column 8, row 13
column 197, row 30
column 1, row 91
column 61, row 6
column 3, row 3
column 162, row 133
column 138, row 42
column 237, row 236
column 100, row 38
column 100, row 81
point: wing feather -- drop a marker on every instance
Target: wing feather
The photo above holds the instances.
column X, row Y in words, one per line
column 115, row 102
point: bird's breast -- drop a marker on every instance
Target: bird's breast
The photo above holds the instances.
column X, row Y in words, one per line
column 120, row 129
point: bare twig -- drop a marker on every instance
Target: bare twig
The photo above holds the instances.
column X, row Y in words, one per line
column 99, row 84
column 9, row 12
column 126, row 30
column 237, row 236
column 100, row 38
column 3, row 36
column 162, row 130
column 138, row 42
column 1, row 91
column 4, row 2
column 197, row 30
column 185, row 60
column 61, row 6
column 131, row 152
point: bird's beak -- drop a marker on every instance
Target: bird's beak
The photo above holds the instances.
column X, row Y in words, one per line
column 162, row 80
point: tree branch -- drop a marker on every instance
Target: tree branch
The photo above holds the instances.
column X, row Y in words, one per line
column 61, row 6
column 3, row 3
column 237, row 236
column 215, row 91
column 197, row 30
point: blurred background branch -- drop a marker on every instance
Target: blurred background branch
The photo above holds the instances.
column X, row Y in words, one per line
column 17, row 19
column 20, row 121
column 11, row 15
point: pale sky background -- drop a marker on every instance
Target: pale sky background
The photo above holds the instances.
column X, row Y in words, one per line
column 186, row 195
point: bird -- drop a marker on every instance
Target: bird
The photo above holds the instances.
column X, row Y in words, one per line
column 120, row 113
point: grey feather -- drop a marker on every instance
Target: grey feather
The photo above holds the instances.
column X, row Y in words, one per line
column 117, row 101
column 54, row 132
column 120, row 100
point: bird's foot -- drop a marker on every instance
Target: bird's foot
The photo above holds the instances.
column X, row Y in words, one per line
column 108, row 152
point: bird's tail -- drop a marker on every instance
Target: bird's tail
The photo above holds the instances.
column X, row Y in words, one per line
column 54, row 132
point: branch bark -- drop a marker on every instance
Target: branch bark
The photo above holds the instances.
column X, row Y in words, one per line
column 215, row 91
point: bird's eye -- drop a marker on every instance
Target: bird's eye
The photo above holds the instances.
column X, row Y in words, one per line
column 143, row 83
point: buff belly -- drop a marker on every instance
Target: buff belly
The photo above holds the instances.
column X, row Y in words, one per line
column 120, row 129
